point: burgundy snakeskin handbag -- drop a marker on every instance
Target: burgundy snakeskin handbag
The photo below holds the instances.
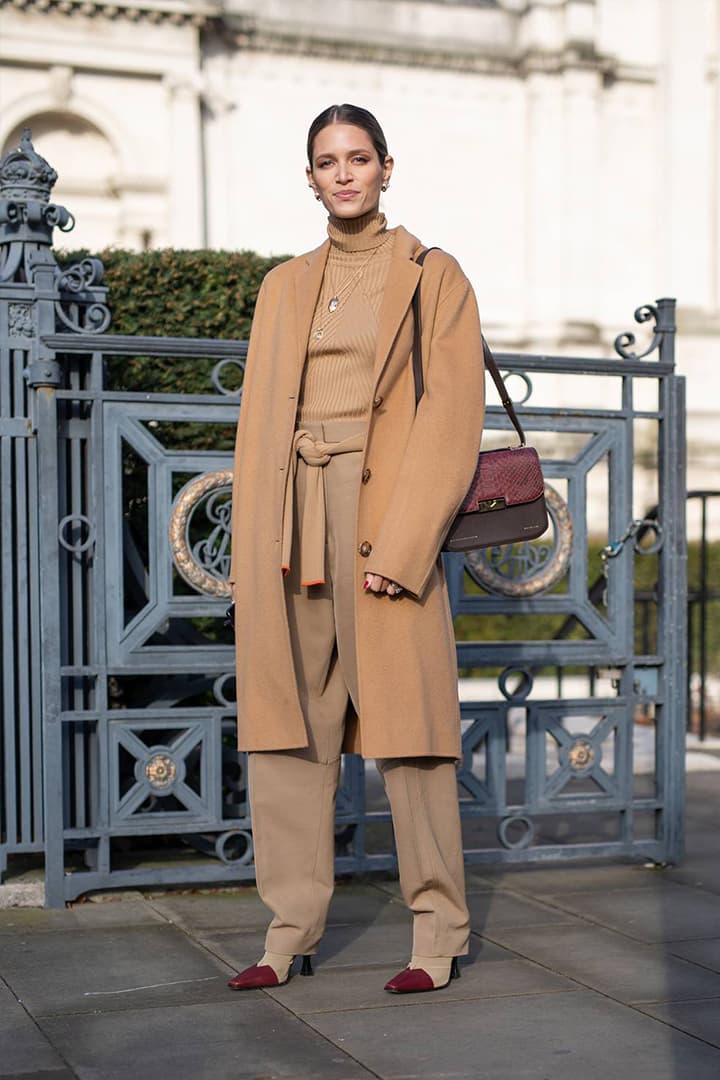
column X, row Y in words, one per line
column 505, row 502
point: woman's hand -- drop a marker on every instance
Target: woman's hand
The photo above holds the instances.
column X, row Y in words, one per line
column 378, row 584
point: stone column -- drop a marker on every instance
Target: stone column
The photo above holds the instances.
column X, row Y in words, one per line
column 185, row 167
column 564, row 86
column 687, row 200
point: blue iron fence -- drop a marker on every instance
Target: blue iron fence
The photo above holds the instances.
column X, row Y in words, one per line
column 117, row 674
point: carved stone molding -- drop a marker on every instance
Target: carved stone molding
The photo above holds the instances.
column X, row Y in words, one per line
column 177, row 14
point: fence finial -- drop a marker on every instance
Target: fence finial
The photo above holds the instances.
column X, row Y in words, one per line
column 25, row 174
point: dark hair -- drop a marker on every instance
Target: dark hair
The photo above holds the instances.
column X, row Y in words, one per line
column 348, row 114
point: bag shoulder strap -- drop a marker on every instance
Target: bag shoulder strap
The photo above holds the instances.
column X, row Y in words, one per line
column 487, row 356
column 417, row 333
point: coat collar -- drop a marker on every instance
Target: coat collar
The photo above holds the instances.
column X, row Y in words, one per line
column 402, row 279
column 403, row 276
column 308, row 283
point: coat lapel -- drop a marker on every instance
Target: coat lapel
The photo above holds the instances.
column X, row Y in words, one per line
column 402, row 279
column 307, row 289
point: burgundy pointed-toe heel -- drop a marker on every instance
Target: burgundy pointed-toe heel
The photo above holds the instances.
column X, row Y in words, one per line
column 417, row 981
column 260, row 976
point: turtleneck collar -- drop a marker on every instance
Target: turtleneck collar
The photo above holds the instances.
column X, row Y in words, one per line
column 357, row 234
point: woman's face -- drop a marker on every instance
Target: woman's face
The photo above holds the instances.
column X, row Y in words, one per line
column 346, row 172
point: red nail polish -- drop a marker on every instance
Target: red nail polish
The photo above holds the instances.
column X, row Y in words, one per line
column 366, row 585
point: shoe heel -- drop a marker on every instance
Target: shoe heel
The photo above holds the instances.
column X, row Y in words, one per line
column 454, row 968
column 307, row 968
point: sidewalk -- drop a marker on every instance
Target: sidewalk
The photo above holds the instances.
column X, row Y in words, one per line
column 584, row 972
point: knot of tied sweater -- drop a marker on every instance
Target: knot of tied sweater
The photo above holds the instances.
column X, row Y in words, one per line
column 312, row 451
column 316, row 453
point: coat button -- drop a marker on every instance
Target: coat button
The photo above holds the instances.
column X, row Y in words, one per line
column 378, row 401
column 365, row 548
column 366, row 475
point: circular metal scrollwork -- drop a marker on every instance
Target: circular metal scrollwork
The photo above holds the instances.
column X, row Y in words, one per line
column 233, row 364
column 79, row 522
column 526, row 568
column 649, row 525
column 222, row 684
column 525, row 380
column 524, row 685
column 525, row 838
column 234, row 847
column 204, row 565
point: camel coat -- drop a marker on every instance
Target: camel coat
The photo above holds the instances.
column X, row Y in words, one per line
column 417, row 468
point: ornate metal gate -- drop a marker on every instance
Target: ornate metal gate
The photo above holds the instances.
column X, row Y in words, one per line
column 118, row 717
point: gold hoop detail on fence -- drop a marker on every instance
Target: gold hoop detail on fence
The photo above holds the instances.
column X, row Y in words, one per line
column 187, row 565
column 549, row 573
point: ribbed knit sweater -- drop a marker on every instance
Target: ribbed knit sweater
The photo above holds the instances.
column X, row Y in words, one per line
column 337, row 380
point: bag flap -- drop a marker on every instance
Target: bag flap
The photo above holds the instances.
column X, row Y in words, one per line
column 512, row 475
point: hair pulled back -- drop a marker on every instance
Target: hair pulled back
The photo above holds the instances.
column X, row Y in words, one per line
column 348, row 114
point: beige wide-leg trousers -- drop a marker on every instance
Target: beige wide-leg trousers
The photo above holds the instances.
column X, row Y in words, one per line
column 292, row 793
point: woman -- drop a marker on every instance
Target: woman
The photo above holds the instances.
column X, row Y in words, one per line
column 343, row 492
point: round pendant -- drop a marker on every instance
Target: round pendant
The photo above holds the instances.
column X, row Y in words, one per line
column 333, row 305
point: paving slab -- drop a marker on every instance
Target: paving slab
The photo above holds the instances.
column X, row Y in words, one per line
column 698, row 1018
column 559, row 878
column 499, row 908
column 668, row 912
column 489, row 972
column 233, row 911
column 245, row 910
column 110, row 970
column 627, row 970
column 543, row 1037
column 699, row 871
column 23, row 1047
column 80, row 917
column 706, row 953
column 248, row 1038
column 385, row 945
column 40, row 1074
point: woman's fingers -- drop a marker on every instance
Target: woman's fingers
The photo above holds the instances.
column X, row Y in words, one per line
column 378, row 584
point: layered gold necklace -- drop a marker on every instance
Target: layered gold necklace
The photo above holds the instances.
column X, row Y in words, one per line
column 344, row 290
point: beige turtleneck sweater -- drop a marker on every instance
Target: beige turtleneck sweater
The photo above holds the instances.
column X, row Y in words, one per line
column 338, row 375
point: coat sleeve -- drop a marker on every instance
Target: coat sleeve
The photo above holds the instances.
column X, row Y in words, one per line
column 441, row 453
column 250, row 364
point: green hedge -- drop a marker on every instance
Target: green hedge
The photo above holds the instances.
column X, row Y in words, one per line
column 169, row 293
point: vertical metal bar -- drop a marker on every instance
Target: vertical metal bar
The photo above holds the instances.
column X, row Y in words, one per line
column 7, row 576
column 36, row 666
column 672, row 591
column 78, row 567
column 689, row 660
column 624, row 577
column 97, row 609
column 703, row 616
column 22, row 666
column 46, row 413
column 64, row 610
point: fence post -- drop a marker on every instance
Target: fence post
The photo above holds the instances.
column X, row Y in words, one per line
column 672, row 587
column 33, row 290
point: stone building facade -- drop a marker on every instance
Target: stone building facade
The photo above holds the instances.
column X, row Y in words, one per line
column 566, row 151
